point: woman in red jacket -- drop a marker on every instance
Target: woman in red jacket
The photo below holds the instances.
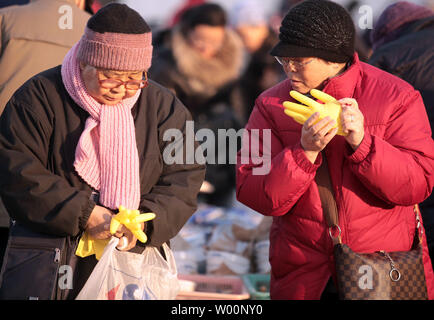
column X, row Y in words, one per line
column 379, row 169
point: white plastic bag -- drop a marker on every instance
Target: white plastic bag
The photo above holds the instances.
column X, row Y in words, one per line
column 130, row 276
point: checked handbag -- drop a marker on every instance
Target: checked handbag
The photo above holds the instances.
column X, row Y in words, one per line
column 373, row 276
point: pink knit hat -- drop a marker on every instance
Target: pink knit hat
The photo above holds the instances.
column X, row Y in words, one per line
column 116, row 38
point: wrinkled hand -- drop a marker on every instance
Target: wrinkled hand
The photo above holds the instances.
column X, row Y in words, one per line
column 129, row 225
column 127, row 240
column 316, row 133
column 352, row 120
column 331, row 108
column 98, row 224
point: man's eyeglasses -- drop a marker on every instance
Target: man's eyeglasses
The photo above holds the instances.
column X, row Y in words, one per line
column 129, row 85
column 285, row 62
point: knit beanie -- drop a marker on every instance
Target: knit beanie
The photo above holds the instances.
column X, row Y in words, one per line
column 317, row 28
column 393, row 18
column 116, row 38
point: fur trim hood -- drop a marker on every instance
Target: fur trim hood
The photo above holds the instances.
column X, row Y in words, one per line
column 206, row 76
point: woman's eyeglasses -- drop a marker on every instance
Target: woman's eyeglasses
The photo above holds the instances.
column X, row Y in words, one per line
column 129, row 85
column 285, row 62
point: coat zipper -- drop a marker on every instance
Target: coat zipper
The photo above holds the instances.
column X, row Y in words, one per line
column 56, row 255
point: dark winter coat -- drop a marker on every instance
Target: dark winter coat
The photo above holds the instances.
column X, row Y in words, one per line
column 39, row 131
column 411, row 57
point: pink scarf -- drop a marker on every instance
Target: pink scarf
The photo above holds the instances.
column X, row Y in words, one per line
column 106, row 156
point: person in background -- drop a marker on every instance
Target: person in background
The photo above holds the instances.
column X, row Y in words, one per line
column 7, row 3
column 91, row 6
column 163, row 36
column 81, row 139
column 403, row 45
column 201, row 63
column 33, row 38
column 184, row 7
column 380, row 165
column 249, row 20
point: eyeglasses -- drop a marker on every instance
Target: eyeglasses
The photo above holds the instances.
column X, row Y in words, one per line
column 129, row 85
column 284, row 61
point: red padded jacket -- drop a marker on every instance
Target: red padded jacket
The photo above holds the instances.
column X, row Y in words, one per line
column 375, row 186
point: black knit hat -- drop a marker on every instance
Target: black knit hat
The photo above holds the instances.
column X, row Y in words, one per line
column 118, row 18
column 317, row 28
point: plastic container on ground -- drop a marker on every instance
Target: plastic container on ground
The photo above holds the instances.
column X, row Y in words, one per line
column 214, row 288
column 261, row 253
column 187, row 286
column 258, row 285
column 207, row 215
column 218, row 261
column 195, row 235
column 186, row 262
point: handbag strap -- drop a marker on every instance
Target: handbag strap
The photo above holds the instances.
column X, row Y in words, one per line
column 328, row 201
column 419, row 230
column 330, row 208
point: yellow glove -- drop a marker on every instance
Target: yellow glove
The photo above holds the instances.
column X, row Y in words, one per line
column 131, row 219
column 88, row 246
column 300, row 113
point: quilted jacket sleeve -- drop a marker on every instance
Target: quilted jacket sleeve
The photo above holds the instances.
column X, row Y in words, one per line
column 271, row 177
column 32, row 194
column 400, row 167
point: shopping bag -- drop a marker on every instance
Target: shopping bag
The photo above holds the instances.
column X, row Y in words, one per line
column 121, row 275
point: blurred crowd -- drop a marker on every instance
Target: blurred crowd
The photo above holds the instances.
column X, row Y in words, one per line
column 217, row 62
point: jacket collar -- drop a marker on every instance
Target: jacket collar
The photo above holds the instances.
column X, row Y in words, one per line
column 344, row 85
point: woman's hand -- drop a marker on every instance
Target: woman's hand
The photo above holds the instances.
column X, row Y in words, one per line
column 316, row 135
column 127, row 240
column 352, row 122
column 98, row 224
